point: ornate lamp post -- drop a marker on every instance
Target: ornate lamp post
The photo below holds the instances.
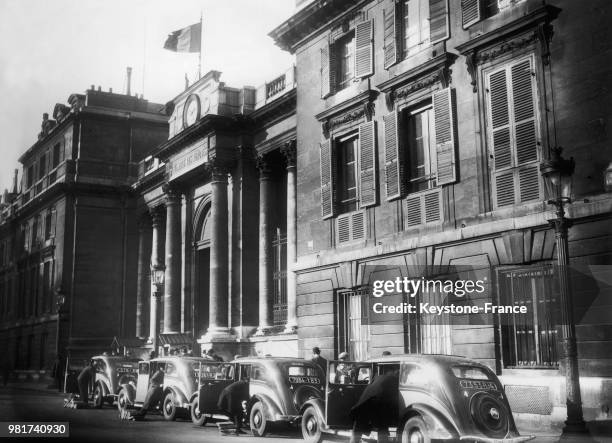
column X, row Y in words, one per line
column 557, row 174
column 157, row 289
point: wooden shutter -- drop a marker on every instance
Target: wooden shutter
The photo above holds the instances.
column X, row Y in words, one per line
column 364, row 53
column 393, row 160
column 524, row 111
column 438, row 20
column 445, row 122
column 367, row 164
column 325, row 71
column 327, row 180
column 390, row 39
column 413, row 211
column 471, row 12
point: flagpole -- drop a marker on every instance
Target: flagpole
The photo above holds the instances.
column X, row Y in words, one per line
column 200, row 55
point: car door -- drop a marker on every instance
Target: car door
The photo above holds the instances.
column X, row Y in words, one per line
column 346, row 381
column 213, row 378
column 142, row 385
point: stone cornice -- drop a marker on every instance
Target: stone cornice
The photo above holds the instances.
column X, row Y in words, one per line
column 436, row 70
column 359, row 107
column 313, row 18
column 276, row 142
column 279, row 108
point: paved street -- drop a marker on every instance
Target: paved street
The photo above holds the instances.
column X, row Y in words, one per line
column 92, row 425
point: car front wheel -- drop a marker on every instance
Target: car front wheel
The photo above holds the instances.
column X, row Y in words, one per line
column 311, row 426
column 415, row 431
column 123, row 400
column 197, row 417
column 168, row 407
column 98, row 396
column 258, row 422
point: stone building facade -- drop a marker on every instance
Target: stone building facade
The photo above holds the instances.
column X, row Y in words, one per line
column 421, row 125
column 218, row 217
column 69, row 233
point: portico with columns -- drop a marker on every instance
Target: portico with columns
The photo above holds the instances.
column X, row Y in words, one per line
column 219, row 217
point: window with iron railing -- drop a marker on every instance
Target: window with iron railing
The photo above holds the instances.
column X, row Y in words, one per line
column 530, row 340
column 279, row 278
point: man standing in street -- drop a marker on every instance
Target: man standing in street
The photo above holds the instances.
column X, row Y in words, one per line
column 154, row 394
column 85, row 381
column 317, row 359
column 57, row 372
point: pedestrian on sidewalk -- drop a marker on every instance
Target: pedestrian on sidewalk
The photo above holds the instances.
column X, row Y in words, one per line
column 86, row 380
column 57, row 372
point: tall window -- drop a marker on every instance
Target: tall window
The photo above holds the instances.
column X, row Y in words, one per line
column 348, row 191
column 56, row 156
column 30, row 176
column 345, row 55
column 529, row 340
column 476, row 10
column 279, row 277
column 48, row 224
column 415, row 18
column 353, row 327
column 435, row 329
column 513, row 132
column 420, row 134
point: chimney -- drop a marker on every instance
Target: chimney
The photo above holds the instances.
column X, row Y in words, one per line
column 15, row 181
column 110, row 90
column 129, row 80
column 99, row 88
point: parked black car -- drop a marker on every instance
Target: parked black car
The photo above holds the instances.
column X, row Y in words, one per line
column 440, row 398
column 112, row 372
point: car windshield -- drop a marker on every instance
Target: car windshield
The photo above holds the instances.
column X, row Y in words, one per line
column 471, row 372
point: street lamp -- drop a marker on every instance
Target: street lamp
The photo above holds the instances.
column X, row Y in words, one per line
column 557, row 174
column 158, row 273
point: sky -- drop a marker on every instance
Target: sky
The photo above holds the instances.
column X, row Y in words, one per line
column 51, row 49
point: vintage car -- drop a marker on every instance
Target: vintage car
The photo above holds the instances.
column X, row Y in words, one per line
column 212, row 378
column 112, row 372
column 278, row 389
column 441, row 397
column 179, row 386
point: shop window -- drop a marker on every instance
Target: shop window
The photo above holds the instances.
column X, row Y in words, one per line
column 353, row 334
column 347, row 58
column 529, row 340
column 412, row 26
column 513, row 132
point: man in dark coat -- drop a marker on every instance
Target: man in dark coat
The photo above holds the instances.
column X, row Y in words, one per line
column 377, row 407
column 57, row 372
column 230, row 401
column 86, row 380
column 154, row 393
column 317, row 359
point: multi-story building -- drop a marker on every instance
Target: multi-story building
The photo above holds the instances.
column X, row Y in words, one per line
column 69, row 253
column 219, row 220
column 421, row 126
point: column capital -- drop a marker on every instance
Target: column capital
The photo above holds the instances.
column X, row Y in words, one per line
column 218, row 171
column 289, row 150
column 173, row 193
column 144, row 221
column 263, row 165
column 157, row 216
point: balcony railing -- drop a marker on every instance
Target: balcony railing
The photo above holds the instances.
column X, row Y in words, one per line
column 271, row 90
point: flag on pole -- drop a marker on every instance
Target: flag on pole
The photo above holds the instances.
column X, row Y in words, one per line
column 185, row 40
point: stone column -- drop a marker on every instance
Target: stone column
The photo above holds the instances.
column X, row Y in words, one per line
column 157, row 254
column 265, row 247
column 143, row 288
column 172, row 295
column 218, row 292
column 289, row 150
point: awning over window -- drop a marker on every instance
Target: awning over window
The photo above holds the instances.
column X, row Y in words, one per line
column 174, row 340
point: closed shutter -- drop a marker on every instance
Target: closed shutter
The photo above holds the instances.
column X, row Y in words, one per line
column 390, row 39
column 367, row 164
column 364, row 53
column 325, row 71
column 327, row 180
column 350, row 227
column 413, row 211
column 393, row 161
column 471, row 12
column 438, row 20
column 344, row 228
column 512, row 125
column 424, row 207
column 358, row 225
column 432, row 206
column 445, row 122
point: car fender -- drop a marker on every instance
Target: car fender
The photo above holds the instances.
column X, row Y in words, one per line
column 105, row 390
column 180, row 399
column 319, row 406
column 271, row 410
column 131, row 390
column 441, row 424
